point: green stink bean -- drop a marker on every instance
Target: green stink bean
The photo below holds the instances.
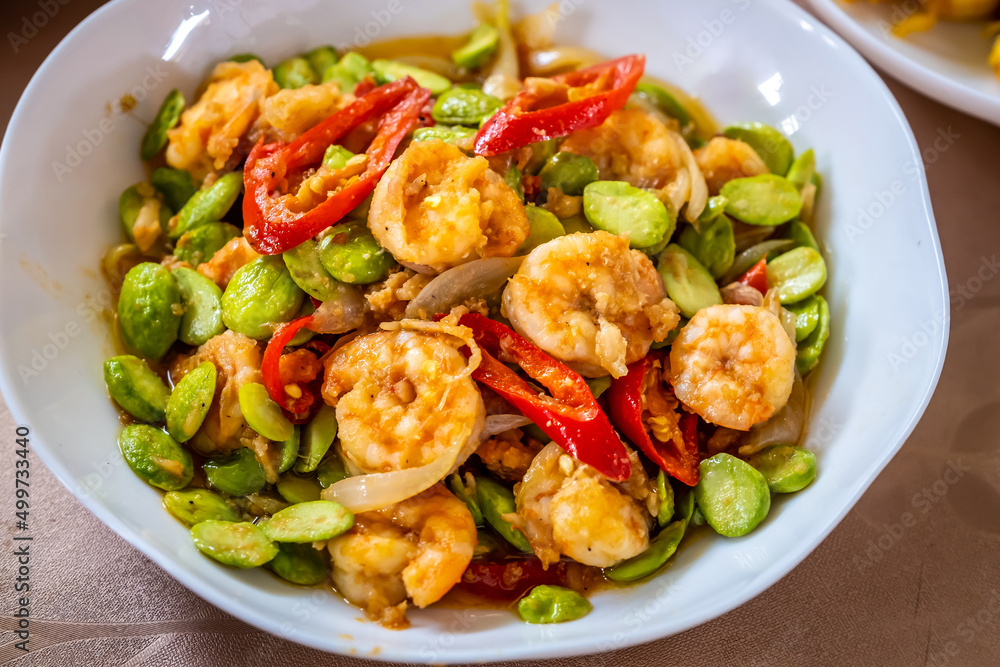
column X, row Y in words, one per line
column 786, row 468
column 714, row 246
column 140, row 200
column 715, row 207
column 336, row 156
column 309, row 522
column 806, row 314
column 541, row 152
column 576, row 224
column 202, row 302
column 812, row 346
column 485, row 544
column 456, row 135
column 209, row 204
column 331, row 470
column 321, row 59
column 149, row 309
column 495, row 500
column 298, row 563
column 599, row 385
column 308, row 273
column 515, row 180
column 201, row 243
column 619, row 208
column 665, row 492
column 552, row 604
column 802, row 170
column 732, row 495
column 464, row 106
column 796, row 274
column 801, row 235
column 762, row 200
column 817, row 180
column 166, row 118
column 238, row 474
column 136, row 388
column 349, row 71
column 698, row 518
column 189, row 402
column 767, row 142
column 683, row 501
column 457, row 487
column 241, row 545
column 263, row 414
column 351, row 254
column 196, row 505
column 568, row 172
column 245, row 58
column 661, row 548
column 483, row 41
column 297, row 489
column 746, row 259
column 317, row 437
column 175, row 185
column 688, row 283
column 544, row 227
column 294, row 73
column 390, row 70
column 259, row 295
column 156, row 457
column 665, row 102
column 290, row 450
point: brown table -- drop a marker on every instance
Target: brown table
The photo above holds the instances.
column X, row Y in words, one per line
column 911, row 576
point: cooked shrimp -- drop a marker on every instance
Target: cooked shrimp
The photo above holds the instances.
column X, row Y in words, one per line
column 227, row 260
column 436, row 208
column 290, row 112
column 590, row 302
column 631, row 145
column 237, row 362
column 733, row 365
column 403, row 398
column 509, row 454
column 567, row 507
column 212, row 127
column 416, row 549
column 722, row 160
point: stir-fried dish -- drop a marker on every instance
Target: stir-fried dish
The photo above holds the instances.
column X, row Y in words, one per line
column 911, row 17
column 498, row 318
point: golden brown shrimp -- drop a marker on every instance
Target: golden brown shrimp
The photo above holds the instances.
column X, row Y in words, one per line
column 436, row 208
column 290, row 112
column 416, row 549
column 567, row 507
column 509, row 454
column 734, row 365
column 722, row 160
column 212, row 127
column 591, row 302
column 227, row 260
column 403, row 398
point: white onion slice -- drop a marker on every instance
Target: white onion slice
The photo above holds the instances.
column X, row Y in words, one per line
column 473, row 280
column 340, row 314
column 698, row 199
column 497, row 424
column 784, row 428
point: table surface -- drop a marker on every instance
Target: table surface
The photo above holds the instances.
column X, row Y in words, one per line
column 875, row 591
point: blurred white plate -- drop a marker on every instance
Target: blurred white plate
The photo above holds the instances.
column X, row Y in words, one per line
column 69, row 153
column 947, row 62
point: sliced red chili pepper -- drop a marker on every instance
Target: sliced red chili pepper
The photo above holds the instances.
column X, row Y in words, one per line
column 271, row 368
column 626, row 406
column 756, row 277
column 510, row 579
column 366, row 85
column 571, row 416
column 270, row 225
column 568, row 103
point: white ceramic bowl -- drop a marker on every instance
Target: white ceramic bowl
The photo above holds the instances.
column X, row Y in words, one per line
column 947, row 62
column 68, row 155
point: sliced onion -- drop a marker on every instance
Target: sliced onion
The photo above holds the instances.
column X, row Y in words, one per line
column 740, row 294
column 497, row 424
column 698, row 199
column 536, row 31
column 784, row 428
column 549, row 61
column 365, row 493
column 474, row 280
column 343, row 313
column 746, row 259
column 750, row 235
column 504, row 79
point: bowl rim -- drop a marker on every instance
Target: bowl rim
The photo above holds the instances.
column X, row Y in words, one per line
column 921, row 78
column 552, row 648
